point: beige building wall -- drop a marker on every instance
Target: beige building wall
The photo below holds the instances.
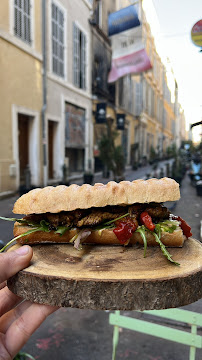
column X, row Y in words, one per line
column 61, row 90
column 20, row 93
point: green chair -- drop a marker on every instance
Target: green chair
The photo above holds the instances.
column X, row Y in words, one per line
column 191, row 339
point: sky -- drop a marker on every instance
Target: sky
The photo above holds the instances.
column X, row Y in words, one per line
column 171, row 22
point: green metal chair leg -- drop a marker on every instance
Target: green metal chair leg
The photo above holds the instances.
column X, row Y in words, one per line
column 115, row 338
column 192, row 352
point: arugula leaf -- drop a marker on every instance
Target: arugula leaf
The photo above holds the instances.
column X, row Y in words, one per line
column 18, row 237
column 163, row 249
column 23, row 356
column 10, row 219
column 141, row 230
column 43, row 226
column 158, row 230
column 21, row 221
column 103, row 226
column 112, row 221
column 109, row 224
column 61, row 230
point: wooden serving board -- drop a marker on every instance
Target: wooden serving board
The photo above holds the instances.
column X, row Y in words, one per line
column 111, row 277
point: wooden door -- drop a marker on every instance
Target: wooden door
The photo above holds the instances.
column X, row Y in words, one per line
column 23, row 141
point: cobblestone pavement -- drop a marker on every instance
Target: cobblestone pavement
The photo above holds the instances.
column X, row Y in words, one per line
column 86, row 334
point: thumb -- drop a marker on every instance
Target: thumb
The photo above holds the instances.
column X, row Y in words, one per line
column 14, row 261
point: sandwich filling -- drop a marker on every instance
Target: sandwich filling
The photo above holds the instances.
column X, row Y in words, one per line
column 93, row 217
column 124, row 220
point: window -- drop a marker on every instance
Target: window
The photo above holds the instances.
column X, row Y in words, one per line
column 22, row 20
column 164, row 124
column 121, row 92
column 98, row 13
column 79, row 57
column 173, row 126
column 138, row 98
column 57, row 40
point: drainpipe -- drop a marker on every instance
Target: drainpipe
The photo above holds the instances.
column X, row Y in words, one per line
column 44, row 107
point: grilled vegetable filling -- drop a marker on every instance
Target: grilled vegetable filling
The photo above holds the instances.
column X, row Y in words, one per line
column 122, row 220
column 95, row 216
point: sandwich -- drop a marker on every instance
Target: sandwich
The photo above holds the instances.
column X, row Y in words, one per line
column 124, row 213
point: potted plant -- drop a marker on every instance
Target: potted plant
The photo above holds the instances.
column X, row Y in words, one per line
column 112, row 156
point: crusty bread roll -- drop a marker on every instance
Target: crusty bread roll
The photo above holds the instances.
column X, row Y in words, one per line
column 105, row 237
column 68, row 198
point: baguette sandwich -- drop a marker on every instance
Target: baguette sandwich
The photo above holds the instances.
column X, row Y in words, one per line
column 112, row 214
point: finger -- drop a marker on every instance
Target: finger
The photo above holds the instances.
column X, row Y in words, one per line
column 8, row 300
column 12, row 315
column 21, row 329
column 14, row 261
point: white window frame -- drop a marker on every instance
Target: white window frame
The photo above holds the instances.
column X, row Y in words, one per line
column 64, row 11
column 32, row 25
column 76, row 81
column 57, row 166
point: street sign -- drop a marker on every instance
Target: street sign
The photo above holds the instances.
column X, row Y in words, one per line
column 196, row 33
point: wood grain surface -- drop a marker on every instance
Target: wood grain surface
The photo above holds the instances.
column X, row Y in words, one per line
column 111, row 277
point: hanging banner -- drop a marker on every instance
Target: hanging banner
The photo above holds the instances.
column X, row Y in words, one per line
column 101, row 113
column 127, row 42
column 120, row 121
column 134, row 63
column 128, row 54
column 122, row 20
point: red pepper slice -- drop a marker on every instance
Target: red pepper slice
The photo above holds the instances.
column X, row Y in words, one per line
column 125, row 230
column 184, row 226
column 147, row 220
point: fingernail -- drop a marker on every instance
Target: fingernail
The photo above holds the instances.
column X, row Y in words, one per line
column 23, row 250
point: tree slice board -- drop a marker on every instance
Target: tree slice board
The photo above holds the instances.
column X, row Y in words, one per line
column 111, row 277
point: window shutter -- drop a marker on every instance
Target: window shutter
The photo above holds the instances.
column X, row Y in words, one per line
column 57, row 41
column 22, row 20
column 76, row 57
column 83, row 61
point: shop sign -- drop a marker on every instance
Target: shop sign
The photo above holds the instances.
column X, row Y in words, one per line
column 120, row 121
column 101, row 113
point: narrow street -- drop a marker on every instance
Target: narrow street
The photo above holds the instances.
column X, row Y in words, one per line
column 86, row 334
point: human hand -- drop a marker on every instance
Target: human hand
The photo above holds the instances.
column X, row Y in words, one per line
column 18, row 319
